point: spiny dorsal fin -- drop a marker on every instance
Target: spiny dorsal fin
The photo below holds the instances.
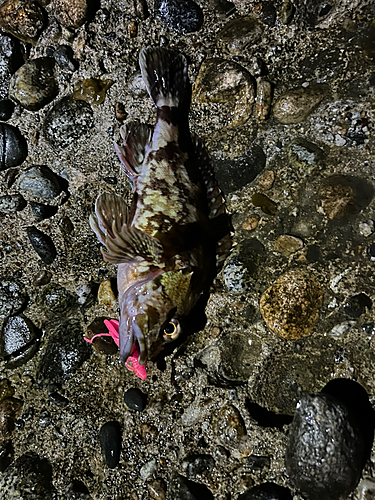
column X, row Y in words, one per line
column 123, row 244
column 136, row 136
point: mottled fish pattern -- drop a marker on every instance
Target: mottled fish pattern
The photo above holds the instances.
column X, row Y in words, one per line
column 175, row 236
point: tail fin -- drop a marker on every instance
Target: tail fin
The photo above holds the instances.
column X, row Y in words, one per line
column 165, row 75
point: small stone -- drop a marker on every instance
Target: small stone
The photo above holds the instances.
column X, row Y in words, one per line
column 356, row 305
column 66, row 225
column 296, row 105
column 287, row 244
column 10, row 410
column 290, row 306
column 339, row 330
column 42, row 278
column 287, row 12
column 234, row 174
column 148, row 469
column 12, row 203
column 42, row 244
column 366, row 489
column 83, row 291
column 180, row 488
column 266, row 491
column 18, row 341
column 227, row 84
column 91, row 90
column 64, row 57
column 325, row 450
column 366, row 228
column 140, row 9
column 157, row 489
column 266, row 180
column 267, row 205
column 110, row 442
column 240, row 34
column 58, row 400
column 306, row 152
column 6, row 455
column 13, row 298
column 251, row 223
column 339, row 141
column 67, row 121
column 23, row 19
column 6, row 109
column 8, row 54
column 195, row 465
column 34, row 85
column 264, row 98
column 120, row 112
column 371, row 252
column 184, row 16
column 41, row 211
column 135, row 399
column 231, row 431
column 56, row 301
column 66, row 351
column 71, row 13
column 223, row 8
column 45, row 419
column 103, row 345
column 267, row 13
column 106, row 297
column 13, row 147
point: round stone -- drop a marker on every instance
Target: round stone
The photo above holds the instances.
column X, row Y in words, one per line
column 56, row 301
column 296, row 105
column 41, row 211
column 42, row 244
column 39, row 182
column 18, row 341
column 194, row 465
column 290, row 306
column 13, row 146
column 23, row 19
column 12, row 203
column 110, row 442
column 6, row 109
column 287, row 244
column 184, row 16
column 34, row 85
column 135, row 399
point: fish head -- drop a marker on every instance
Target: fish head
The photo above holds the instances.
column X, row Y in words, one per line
column 151, row 312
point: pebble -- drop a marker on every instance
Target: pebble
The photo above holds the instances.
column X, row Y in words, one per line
column 41, row 212
column 366, row 228
column 290, row 306
column 103, row 345
column 42, row 244
column 183, row 16
column 28, row 478
column 304, row 153
column 287, row 244
column 339, row 330
column 287, row 12
column 66, row 351
column 234, row 174
column 45, row 419
column 72, row 14
column 148, row 469
column 180, row 488
column 58, row 400
column 266, row 180
column 240, row 34
column 33, row 85
column 141, row 9
column 251, row 223
column 110, row 443
column 56, row 301
column 296, row 105
column 267, row 13
column 23, row 19
column 195, row 465
column 10, row 410
column 231, row 431
column 67, row 121
column 106, row 297
column 13, row 298
column 39, row 182
column 135, row 399
column 356, row 305
column 64, row 57
column 366, row 489
column 91, row 90
column 7, row 55
column 77, row 490
column 18, row 341
column 371, row 252
column 157, row 489
column 83, row 291
column 66, row 225
column 13, row 146
column 262, row 201
column 325, row 450
column 266, row 491
column 6, row 454
column 226, row 83
column 42, row 278
column 12, row 203
column 6, row 109
column 264, row 98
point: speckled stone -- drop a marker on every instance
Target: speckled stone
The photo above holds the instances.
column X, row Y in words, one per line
column 71, row 13
column 325, row 450
column 42, row 244
column 157, row 489
column 24, row 19
column 231, row 431
column 290, row 306
column 56, row 301
column 18, row 341
column 184, row 16
column 110, row 442
column 239, row 34
column 39, row 182
column 287, row 244
column 12, row 298
column 106, row 297
column 296, row 105
column 266, row 180
column 34, row 85
column 195, row 465
column 13, row 146
column 8, row 52
column 12, row 203
column 366, row 489
column 64, row 57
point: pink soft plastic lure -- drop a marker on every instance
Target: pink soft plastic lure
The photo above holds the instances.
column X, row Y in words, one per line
column 132, row 361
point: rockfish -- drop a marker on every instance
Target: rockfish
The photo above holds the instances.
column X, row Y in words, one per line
column 171, row 241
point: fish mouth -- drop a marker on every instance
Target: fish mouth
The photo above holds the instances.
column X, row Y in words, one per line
column 133, row 334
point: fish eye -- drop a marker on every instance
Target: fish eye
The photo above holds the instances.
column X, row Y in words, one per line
column 171, row 330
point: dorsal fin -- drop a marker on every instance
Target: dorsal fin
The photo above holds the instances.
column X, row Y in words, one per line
column 123, row 243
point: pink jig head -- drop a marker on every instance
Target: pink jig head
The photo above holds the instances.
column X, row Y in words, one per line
column 132, row 361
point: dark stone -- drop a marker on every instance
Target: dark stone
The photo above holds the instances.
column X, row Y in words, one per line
column 357, row 304
column 42, row 278
column 18, row 341
column 34, row 85
column 12, row 203
column 267, row 418
column 30, row 475
column 135, row 399
column 181, row 488
column 13, row 147
column 194, row 465
column 268, row 13
column 41, row 211
column 42, row 244
column 65, row 352
column 77, row 490
column 64, row 57
column 10, row 410
column 258, row 462
column 39, row 181
column 184, row 16
column 369, row 329
column 235, row 174
column 267, row 205
column 58, row 399
column 110, row 442
column 266, row 491
column 56, row 301
column 67, row 121
column 12, row 298
column 224, row 7
column 371, row 251
column 6, row 454
column 325, row 449
column 6, row 109
column 313, row 253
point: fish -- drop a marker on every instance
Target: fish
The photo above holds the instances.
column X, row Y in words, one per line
column 172, row 240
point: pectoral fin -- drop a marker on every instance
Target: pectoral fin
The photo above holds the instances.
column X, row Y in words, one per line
column 123, row 243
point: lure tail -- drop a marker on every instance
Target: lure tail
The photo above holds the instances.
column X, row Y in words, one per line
column 165, row 74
